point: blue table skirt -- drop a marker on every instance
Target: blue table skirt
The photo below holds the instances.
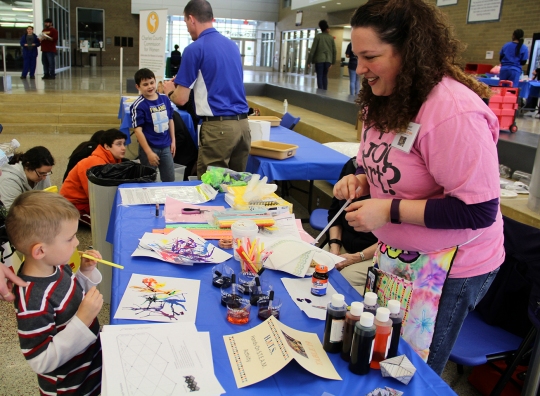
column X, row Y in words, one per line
column 128, row 223
column 126, row 122
column 313, row 161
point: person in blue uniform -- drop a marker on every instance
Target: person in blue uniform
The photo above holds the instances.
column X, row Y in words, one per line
column 29, row 43
column 513, row 56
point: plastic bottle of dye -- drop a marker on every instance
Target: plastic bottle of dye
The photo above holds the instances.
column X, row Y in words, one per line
column 397, row 318
column 370, row 303
column 351, row 318
column 383, row 325
column 285, row 106
column 333, row 328
column 362, row 344
column 319, row 280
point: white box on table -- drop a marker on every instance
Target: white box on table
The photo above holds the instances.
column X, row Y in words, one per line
column 260, row 130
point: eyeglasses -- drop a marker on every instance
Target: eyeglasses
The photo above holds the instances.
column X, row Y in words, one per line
column 42, row 174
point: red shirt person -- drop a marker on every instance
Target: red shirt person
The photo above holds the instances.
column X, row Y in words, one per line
column 48, row 38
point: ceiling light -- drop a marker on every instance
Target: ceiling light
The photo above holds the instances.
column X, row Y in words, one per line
column 323, row 6
column 338, row 3
column 22, row 9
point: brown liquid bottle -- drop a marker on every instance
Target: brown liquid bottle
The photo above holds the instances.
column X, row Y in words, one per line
column 351, row 318
column 383, row 326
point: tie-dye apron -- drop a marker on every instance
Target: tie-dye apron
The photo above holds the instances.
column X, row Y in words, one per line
column 416, row 280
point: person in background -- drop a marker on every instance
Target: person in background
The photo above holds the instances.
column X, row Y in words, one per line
column 357, row 248
column 513, row 56
column 25, row 172
column 57, row 313
column 323, row 54
column 83, row 150
column 532, row 101
column 176, row 60
column 111, row 150
column 29, row 43
column 212, row 67
column 7, row 276
column 354, row 79
column 434, row 202
column 49, row 38
column 152, row 117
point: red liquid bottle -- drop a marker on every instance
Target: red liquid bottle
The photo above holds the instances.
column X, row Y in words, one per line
column 383, row 326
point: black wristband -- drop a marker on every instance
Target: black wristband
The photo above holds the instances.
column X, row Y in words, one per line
column 336, row 241
column 394, row 211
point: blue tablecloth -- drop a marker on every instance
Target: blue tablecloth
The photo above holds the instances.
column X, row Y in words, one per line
column 126, row 123
column 312, row 161
column 526, row 88
column 128, row 223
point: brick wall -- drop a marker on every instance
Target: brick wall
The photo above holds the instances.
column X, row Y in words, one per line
column 491, row 36
column 119, row 21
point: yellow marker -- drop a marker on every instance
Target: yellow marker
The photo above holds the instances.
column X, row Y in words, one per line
column 101, row 261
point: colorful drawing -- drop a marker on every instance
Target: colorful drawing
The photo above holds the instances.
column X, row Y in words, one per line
column 159, row 299
column 183, row 250
column 296, row 345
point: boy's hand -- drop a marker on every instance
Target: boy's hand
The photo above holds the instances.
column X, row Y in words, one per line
column 153, row 158
column 87, row 265
column 90, row 306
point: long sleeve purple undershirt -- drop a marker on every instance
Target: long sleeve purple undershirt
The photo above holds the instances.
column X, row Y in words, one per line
column 454, row 214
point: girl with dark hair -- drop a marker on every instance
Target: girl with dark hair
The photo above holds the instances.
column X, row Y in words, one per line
column 323, row 54
column 513, row 56
column 428, row 158
column 25, row 172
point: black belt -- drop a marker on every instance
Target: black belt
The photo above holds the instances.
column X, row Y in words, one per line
column 237, row 117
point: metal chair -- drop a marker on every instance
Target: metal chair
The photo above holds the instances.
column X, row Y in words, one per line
column 289, row 121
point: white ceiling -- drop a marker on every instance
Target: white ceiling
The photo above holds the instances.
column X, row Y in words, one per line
column 326, row 5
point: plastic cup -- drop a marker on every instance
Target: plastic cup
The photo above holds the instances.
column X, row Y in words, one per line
column 221, row 275
column 241, row 229
column 229, row 295
column 256, row 293
column 264, row 310
column 246, row 280
column 238, row 311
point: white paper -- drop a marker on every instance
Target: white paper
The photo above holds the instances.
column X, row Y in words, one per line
column 153, row 195
column 300, row 291
column 286, row 227
column 159, row 299
column 295, row 257
column 180, row 246
column 156, row 359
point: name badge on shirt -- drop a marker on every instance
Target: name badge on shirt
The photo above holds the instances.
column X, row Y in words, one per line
column 403, row 141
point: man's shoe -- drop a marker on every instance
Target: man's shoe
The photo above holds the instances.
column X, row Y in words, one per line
column 24, row 77
column 45, row 77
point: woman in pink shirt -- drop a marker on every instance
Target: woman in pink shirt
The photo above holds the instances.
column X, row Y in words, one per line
column 428, row 158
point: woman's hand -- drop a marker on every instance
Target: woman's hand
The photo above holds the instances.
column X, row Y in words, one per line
column 348, row 187
column 369, row 214
column 349, row 259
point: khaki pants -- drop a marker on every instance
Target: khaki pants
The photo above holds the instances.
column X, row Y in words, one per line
column 225, row 144
column 356, row 274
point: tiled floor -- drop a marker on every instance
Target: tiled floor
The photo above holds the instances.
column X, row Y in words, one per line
column 15, row 376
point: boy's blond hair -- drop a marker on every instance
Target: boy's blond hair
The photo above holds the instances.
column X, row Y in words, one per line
column 36, row 217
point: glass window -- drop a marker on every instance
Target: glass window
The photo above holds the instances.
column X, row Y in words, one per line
column 90, row 26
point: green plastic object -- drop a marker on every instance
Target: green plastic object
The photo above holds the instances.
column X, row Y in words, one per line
column 216, row 176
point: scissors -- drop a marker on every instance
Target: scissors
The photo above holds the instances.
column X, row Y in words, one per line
column 193, row 211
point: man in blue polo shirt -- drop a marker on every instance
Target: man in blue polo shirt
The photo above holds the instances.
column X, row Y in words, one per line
column 212, row 67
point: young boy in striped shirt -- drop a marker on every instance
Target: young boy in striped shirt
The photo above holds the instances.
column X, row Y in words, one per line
column 57, row 312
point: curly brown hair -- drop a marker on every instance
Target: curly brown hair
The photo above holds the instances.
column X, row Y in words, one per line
column 422, row 36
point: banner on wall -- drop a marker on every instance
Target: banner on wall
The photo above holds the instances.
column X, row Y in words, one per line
column 152, row 31
column 484, row 11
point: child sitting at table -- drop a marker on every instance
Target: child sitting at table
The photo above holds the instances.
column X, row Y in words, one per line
column 152, row 117
column 111, row 150
column 57, row 310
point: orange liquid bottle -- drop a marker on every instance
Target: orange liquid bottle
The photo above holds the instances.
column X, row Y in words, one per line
column 383, row 325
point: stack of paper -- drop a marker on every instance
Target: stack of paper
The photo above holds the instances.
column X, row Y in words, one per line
column 157, row 359
column 298, row 257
